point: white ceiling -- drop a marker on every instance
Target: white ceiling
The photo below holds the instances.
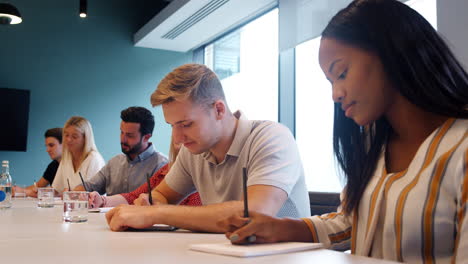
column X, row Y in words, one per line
column 184, row 25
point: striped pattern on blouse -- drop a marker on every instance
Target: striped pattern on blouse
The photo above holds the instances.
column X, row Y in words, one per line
column 414, row 216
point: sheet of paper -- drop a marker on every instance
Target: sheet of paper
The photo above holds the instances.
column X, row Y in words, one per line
column 255, row 249
column 155, row 227
column 100, row 210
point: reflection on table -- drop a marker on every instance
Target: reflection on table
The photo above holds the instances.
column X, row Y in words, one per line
column 29, row 234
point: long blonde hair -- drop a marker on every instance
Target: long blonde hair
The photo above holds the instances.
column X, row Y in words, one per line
column 85, row 128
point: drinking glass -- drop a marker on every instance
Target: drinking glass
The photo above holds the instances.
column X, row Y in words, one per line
column 45, row 197
column 75, row 206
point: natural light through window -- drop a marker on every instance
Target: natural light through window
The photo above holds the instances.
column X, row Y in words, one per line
column 314, row 120
column 246, row 61
column 314, row 110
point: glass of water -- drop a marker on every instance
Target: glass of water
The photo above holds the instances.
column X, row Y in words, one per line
column 20, row 191
column 75, row 207
column 45, row 197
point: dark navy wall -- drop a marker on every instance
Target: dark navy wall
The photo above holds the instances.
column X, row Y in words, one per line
column 86, row 67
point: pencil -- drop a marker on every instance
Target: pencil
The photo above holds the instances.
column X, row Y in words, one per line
column 82, row 181
column 150, row 197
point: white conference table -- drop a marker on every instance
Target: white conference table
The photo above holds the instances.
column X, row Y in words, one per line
column 38, row 235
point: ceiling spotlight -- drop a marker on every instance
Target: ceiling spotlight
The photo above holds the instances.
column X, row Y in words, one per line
column 9, row 14
column 83, row 8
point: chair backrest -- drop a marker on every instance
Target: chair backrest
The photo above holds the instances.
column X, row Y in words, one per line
column 323, row 202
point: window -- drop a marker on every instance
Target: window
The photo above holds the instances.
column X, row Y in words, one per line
column 314, row 120
column 314, row 110
column 246, row 61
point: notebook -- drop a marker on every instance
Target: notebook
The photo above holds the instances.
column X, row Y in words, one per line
column 155, row 227
column 254, row 250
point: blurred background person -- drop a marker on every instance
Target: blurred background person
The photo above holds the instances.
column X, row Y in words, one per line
column 53, row 143
column 127, row 171
column 80, row 154
column 96, row 200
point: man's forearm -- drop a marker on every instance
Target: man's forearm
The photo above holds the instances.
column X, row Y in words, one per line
column 196, row 218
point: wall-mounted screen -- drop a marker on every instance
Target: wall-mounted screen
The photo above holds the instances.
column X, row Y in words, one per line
column 14, row 112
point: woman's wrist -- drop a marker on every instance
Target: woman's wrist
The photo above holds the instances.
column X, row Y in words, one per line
column 290, row 229
column 104, row 201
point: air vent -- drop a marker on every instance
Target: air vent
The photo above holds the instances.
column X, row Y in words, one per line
column 184, row 25
column 195, row 18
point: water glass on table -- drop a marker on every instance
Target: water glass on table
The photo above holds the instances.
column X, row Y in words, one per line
column 45, row 197
column 20, row 191
column 75, row 206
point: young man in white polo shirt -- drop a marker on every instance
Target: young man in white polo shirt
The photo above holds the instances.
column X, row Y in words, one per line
column 217, row 145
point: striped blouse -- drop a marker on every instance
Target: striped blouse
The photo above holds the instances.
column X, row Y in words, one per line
column 413, row 216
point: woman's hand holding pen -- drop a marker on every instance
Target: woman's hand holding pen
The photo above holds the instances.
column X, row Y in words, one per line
column 239, row 228
column 95, row 200
column 142, row 200
column 267, row 229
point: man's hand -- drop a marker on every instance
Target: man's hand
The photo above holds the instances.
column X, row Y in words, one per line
column 124, row 216
column 142, row 200
column 95, row 200
column 31, row 192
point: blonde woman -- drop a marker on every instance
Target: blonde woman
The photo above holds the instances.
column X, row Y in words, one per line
column 80, row 154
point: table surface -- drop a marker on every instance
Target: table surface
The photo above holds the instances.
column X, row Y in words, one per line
column 28, row 234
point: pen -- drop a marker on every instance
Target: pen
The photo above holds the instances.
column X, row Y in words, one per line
column 68, row 181
column 244, row 190
column 82, row 181
column 251, row 238
column 150, row 197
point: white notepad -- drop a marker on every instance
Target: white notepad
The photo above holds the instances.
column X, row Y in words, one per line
column 254, row 250
column 100, row 210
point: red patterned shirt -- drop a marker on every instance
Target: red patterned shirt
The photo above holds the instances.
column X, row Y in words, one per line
column 155, row 180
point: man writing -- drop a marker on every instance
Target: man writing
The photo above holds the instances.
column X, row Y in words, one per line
column 53, row 143
column 126, row 172
column 217, row 145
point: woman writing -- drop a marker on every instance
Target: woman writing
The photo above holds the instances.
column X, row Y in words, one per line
column 400, row 138
column 80, row 154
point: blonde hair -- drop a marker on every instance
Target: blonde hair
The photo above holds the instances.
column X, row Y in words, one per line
column 190, row 81
column 84, row 127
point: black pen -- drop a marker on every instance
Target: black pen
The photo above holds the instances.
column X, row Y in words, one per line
column 150, row 197
column 82, row 181
column 244, row 190
column 69, row 188
column 251, row 238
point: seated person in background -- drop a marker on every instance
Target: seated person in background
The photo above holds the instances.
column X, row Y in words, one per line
column 53, row 143
column 217, row 145
column 400, row 137
column 96, row 200
column 80, row 154
column 125, row 172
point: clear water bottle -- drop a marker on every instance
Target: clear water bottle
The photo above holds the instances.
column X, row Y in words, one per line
column 5, row 186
